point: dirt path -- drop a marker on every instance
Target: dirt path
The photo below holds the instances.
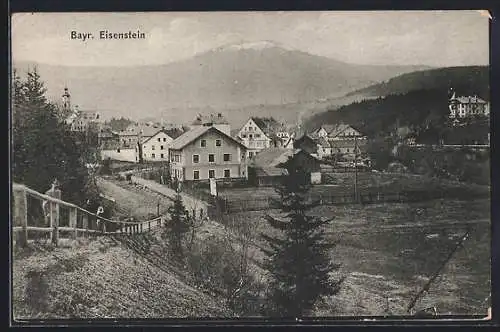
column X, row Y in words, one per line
column 137, row 203
column 190, row 202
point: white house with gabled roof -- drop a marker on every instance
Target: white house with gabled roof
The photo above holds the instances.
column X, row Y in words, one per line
column 155, row 148
column 205, row 152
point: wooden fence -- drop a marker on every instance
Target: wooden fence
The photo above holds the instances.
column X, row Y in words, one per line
column 63, row 219
column 224, row 205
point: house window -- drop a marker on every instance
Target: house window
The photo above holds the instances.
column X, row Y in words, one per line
column 164, row 139
column 177, row 158
column 203, row 143
column 172, row 158
column 161, row 156
column 227, row 157
column 250, row 154
column 152, row 147
column 118, row 150
column 218, row 142
column 243, row 135
column 211, row 173
column 250, row 136
column 257, row 135
column 161, row 147
column 227, row 173
column 196, row 158
column 211, row 158
column 196, row 175
column 152, row 156
column 159, row 139
column 144, row 147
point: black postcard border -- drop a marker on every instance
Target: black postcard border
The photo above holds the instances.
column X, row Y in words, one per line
column 452, row 323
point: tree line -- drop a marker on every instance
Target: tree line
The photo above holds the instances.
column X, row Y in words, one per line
column 43, row 146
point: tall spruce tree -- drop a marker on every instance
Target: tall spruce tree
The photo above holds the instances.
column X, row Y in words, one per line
column 298, row 255
column 43, row 147
column 177, row 226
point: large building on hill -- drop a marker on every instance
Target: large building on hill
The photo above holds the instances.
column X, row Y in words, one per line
column 206, row 152
column 467, row 106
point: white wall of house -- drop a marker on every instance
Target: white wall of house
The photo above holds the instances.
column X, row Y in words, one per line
column 119, row 154
column 218, row 153
column 253, row 138
column 156, row 147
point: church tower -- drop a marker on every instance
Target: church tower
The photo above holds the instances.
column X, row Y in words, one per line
column 66, row 99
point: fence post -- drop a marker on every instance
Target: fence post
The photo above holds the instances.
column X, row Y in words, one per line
column 72, row 221
column 54, row 221
column 141, row 227
column 21, row 216
column 85, row 221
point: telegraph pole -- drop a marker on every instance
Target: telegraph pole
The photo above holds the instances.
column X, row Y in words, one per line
column 355, row 169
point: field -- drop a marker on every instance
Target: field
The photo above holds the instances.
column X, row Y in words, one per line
column 388, row 252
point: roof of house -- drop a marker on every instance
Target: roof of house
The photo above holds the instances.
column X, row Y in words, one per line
column 271, row 171
column 146, row 139
column 468, row 99
column 211, row 118
column 271, row 157
column 268, row 125
column 191, row 135
column 144, row 130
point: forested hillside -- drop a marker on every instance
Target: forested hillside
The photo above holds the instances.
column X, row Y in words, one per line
column 464, row 80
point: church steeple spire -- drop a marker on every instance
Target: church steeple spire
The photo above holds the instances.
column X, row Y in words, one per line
column 66, row 97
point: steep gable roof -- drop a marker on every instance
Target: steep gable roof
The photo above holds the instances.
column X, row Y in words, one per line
column 191, row 135
column 147, row 139
column 268, row 125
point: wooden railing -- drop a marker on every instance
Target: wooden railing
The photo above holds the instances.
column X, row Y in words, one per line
column 63, row 219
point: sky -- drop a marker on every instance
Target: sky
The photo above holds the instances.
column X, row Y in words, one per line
column 433, row 38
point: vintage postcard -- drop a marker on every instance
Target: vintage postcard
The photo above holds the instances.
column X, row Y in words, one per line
column 291, row 165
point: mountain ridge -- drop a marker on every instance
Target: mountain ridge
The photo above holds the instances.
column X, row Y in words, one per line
column 219, row 79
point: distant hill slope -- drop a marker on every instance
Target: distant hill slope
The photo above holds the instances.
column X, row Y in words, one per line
column 465, row 80
column 228, row 78
column 414, row 100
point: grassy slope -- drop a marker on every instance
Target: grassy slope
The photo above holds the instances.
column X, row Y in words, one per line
column 390, row 251
column 103, row 279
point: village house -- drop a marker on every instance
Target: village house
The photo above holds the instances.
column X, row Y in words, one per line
column 206, row 152
column 135, row 133
column 467, row 106
column 342, row 138
column 271, row 165
column 155, row 148
column 262, row 133
column 318, row 148
column 83, row 120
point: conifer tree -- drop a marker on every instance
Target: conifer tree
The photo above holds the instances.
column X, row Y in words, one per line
column 43, row 147
column 298, row 255
column 177, row 226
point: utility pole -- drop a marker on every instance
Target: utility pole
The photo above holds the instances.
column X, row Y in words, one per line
column 158, row 207
column 355, row 169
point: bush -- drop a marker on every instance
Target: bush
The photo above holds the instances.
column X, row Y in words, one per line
column 223, row 270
